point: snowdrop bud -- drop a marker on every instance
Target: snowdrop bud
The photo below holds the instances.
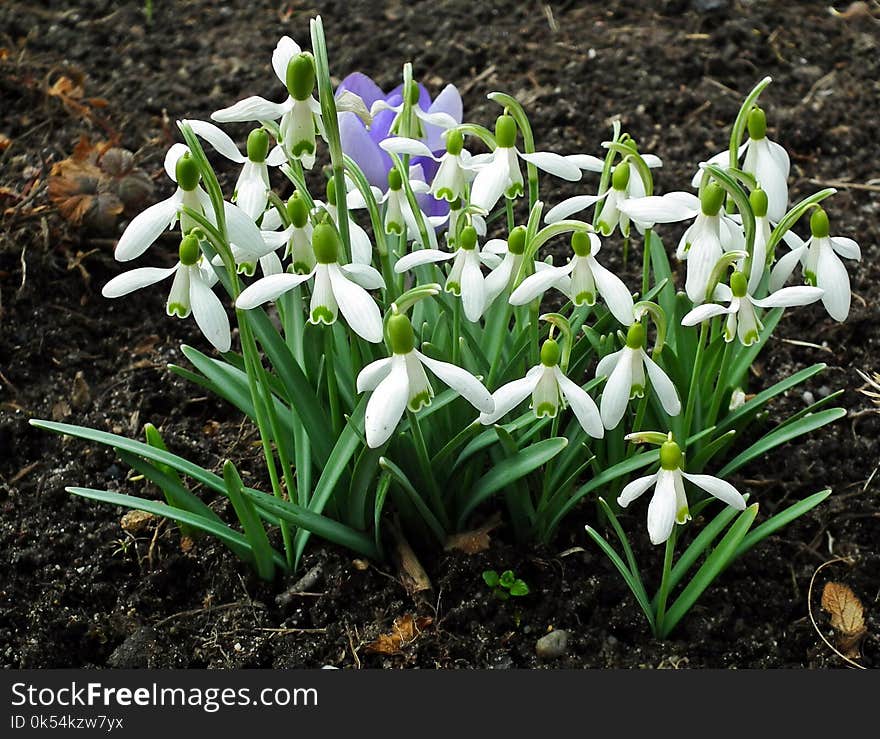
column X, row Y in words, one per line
column 297, row 210
column 187, row 172
column 395, row 181
column 301, row 76
column 757, row 123
column 412, row 93
column 468, row 238
column 670, row 456
column 505, row 132
column 739, row 285
column 257, row 145
column 516, row 242
column 635, row 336
column 819, row 226
column 711, row 199
column 189, row 250
column 758, row 201
column 325, row 244
column 454, row 142
column 580, row 243
column 620, row 176
column 331, row 192
column 550, row 353
column 400, row 334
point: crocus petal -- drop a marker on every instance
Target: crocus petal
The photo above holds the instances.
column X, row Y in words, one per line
column 537, row 284
column 449, row 102
column 357, row 143
column 661, row 509
column 145, row 228
column 554, row 164
column 252, row 108
column 269, row 288
column 171, row 158
column 462, row 381
column 662, row 385
column 788, row 297
column 387, row 404
column 832, row 277
column 587, row 162
column 616, row 295
column 135, row 279
column 357, row 307
column 583, row 406
column 362, row 86
column 704, row 313
column 635, row 489
column 847, row 248
column 509, row 396
column 721, row 489
column 785, row 266
column 285, row 50
column 615, row 397
column 364, row 275
column 217, row 138
column 400, row 145
column 569, row 206
column 209, row 314
column 420, row 257
column 371, row 375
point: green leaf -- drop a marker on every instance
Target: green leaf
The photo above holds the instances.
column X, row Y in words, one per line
column 627, row 549
column 519, row 588
column 490, row 577
column 250, row 522
column 781, row 519
column 747, row 355
column 172, row 486
column 424, row 511
column 381, row 494
column 507, row 579
column 509, row 470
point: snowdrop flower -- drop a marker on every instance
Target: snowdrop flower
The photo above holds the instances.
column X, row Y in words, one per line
column 550, row 389
column 400, row 218
column 763, row 227
column 361, row 246
column 147, row 226
column 740, row 311
column 252, row 186
column 337, row 288
column 296, row 238
column 457, row 210
column 300, row 113
column 190, row 291
column 765, row 160
column 581, row 280
column 625, row 370
column 399, row 382
column 500, row 174
column 820, row 261
column 465, row 279
column 502, row 276
column 669, row 504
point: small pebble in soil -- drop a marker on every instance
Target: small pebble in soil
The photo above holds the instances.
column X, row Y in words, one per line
column 552, row 645
column 808, row 397
column 134, row 652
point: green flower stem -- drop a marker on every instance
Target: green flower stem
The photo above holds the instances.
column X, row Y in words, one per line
column 330, row 376
column 456, row 331
column 535, row 330
column 497, row 340
column 427, row 473
column 508, row 208
column 646, row 264
column 665, row 584
column 720, row 384
column 695, row 379
column 625, row 257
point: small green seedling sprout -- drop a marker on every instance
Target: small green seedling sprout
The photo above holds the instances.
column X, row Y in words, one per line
column 505, row 585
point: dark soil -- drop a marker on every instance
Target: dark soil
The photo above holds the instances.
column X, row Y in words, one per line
column 77, row 590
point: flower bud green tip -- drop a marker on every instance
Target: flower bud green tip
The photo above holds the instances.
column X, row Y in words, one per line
column 670, row 456
column 395, row 181
column 757, row 123
column 331, row 191
column 620, row 176
column 189, row 250
column 257, row 145
column 758, row 201
column 412, row 93
column 454, row 142
column 739, row 284
column 187, row 172
column 550, row 353
column 580, row 243
column 400, row 334
column 301, row 76
column 325, row 244
column 505, row 131
column 516, row 241
column 635, row 336
column 297, row 210
column 468, row 238
column 819, row 225
column 711, row 199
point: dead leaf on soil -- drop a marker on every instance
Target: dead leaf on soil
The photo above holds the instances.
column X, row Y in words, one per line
column 5, row 141
column 136, row 522
column 473, row 542
column 847, row 616
column 404, row 631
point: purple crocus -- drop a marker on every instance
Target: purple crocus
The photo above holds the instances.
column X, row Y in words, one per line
column 362, row 144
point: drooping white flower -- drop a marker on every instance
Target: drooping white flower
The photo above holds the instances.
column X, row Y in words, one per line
column 465, row 278
column 337, row 288
column 252, row 186
column 400, row 218
column 499, row 173
column 625, row 370
column 399, row 382
column 550, row 390
column 742, row 321
column 669, row 504
column 819, row 257
column 296, row 238
column 581, row 280
column 190, row 291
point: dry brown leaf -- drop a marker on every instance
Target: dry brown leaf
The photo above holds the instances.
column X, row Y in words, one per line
column 404, row 631
column 5, row 142
column 476, row 541
column 136, row 522
column 847, row 616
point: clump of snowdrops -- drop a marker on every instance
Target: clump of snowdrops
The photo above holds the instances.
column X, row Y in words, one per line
column 409, row 353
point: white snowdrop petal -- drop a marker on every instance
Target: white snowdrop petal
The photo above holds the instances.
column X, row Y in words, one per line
column 832, row 277
column 285, row 50
column 361, row 246
column 537, row 284
column 616, row 295
column 509, row 396
column 364, row 275
column 401, row 145
column 607, row 364
column 252, row 108
column 652, row 160
column 720, row 489
column 554, row 164
column 635, row 489
column 360, row 311
column 582, row 405
column 789, row 297
column 276, row 156
column 847, row 248
column 587, row 162
column 218, row 138
column 785, row 266
column 490, row 184
column 570, row 206
column 660, row 208
column 371, row 375
column 663, row 386
column 615, row 397
column 210, row 315
column 135, row 279
column 145, row 228
column 244, row 233
column 172, row 156
column 437, row 118
column 662, row 508
column 421, row 257
column 473, row 290
column 704, row 313
column 462, row 381
column 269, row 288
column 387, row 403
